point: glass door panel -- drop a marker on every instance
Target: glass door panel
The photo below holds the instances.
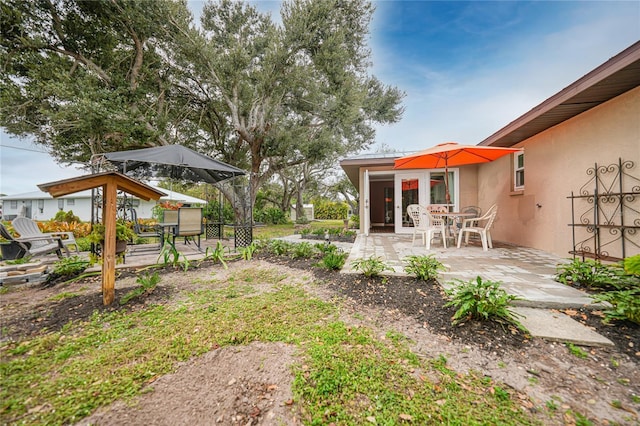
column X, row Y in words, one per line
column 409, row 189
column 438, row 190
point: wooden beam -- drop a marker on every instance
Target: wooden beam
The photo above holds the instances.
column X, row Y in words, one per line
column 110, row 191
column 82, row 183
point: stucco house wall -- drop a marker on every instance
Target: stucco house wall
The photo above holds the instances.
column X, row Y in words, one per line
column 556, row 162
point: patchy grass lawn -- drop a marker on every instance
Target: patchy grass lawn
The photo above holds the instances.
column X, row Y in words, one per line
column 276, row 231
column 346, row 375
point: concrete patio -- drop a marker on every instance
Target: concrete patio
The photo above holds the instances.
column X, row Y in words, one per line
column 524, row 272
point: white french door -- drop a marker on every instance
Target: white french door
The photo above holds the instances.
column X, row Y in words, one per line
column 409, row 188
column 367, row 206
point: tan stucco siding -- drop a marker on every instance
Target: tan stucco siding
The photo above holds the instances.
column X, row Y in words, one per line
column 556, row 162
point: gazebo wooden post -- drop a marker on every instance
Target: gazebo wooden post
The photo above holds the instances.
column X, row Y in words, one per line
column 110, row 182
column 109, row 245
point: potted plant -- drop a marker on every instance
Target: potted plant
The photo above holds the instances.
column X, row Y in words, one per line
column 123, row 235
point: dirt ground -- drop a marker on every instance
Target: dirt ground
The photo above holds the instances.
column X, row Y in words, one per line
column 251, row 385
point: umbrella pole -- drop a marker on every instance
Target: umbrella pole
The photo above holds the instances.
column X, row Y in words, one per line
column 446, row 186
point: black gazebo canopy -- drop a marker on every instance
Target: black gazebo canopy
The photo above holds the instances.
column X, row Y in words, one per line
column 175, row 161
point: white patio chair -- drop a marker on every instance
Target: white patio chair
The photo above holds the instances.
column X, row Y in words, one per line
column 436, row 225
column 419, row 219
column 477, row 212
column 28, row 229
column 426, row 225
column 481, row 226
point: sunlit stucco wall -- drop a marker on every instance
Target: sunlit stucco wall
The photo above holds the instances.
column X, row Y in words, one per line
column 556, row 162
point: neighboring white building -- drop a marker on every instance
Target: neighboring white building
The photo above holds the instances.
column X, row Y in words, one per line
column 40, row 205
column 308, row 211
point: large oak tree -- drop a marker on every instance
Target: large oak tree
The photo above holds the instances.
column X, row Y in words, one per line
column 87, row 77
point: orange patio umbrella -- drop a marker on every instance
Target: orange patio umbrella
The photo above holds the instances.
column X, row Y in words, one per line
column 451, row 154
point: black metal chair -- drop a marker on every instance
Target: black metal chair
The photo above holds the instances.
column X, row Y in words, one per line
column 145, row 232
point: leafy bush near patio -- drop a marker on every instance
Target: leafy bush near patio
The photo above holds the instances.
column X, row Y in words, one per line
column 632, row 265
column 279, row 247
column 482, row 300
column 425, row 268
column 371, row 267
column 333, row 260
column 270, row 216
column 594, row 275
column 617, row 284
column 62, row 216
column 302, row 250
column 626, row 304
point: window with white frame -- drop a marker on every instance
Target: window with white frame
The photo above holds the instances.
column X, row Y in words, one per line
column 71, row 202
column 518, row 171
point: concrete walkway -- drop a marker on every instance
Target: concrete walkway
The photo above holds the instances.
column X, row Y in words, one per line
column 524, row 272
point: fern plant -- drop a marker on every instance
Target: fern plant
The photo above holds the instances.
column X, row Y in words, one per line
column 482, row 300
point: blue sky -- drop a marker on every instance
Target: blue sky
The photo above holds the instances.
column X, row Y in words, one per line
column 468, row 68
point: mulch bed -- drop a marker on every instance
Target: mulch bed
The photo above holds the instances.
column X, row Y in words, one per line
column 425, row 302
column 421, row 300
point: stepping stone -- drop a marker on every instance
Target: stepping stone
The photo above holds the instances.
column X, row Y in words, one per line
column 558, row 327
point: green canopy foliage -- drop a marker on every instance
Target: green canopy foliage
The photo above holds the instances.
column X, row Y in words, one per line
column 87, row 77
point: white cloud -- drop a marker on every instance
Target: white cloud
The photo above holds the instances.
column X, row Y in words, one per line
column 466, row 107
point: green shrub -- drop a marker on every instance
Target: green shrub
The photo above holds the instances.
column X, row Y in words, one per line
column 280, row 247
column 69, row 217
column 423, row 267
column 302, row 251
column 270, row 216
column 371, row 267
column 326, row 209
column 632, row 265
column 325, row 248
column 334, row 260
column 482, row 300
column 354, row 221
column 212, row 212
column 625, row 304
column 246, row 253
column 589, row 273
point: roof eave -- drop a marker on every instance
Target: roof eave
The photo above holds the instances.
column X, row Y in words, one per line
column 616, row 76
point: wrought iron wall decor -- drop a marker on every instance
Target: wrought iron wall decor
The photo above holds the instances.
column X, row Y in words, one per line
column 608, row 213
